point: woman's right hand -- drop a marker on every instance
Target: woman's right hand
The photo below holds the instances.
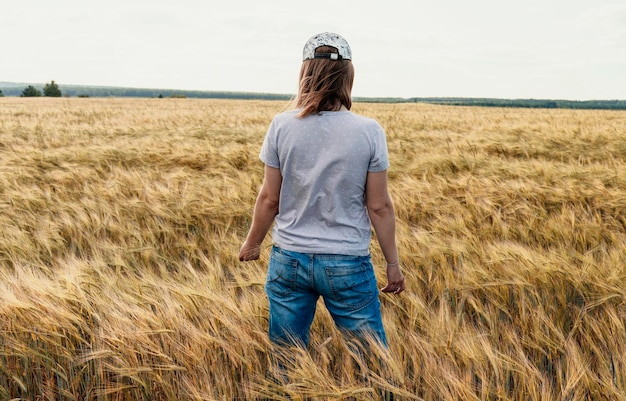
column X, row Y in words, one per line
column 249, row 251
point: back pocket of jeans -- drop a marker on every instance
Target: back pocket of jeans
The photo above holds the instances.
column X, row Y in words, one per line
column 353, row 285
column 281, row 274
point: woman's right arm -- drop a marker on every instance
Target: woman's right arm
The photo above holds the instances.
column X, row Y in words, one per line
column 265, row 209
column 382, row 215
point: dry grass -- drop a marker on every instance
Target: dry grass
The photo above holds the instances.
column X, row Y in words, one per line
column 121, row 221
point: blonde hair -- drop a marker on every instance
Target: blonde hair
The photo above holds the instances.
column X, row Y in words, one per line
column 325, row 84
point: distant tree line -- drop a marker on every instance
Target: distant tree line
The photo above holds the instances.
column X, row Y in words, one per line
column 52, row 89
column 96, row 91
column 106, row 91
column 527, row 103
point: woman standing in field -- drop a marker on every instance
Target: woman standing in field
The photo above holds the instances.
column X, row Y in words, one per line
column 325, row 185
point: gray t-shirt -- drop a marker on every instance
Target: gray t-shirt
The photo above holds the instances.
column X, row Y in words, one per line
column 324, row 160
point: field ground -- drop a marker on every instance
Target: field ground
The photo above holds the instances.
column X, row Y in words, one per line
column 121, row 220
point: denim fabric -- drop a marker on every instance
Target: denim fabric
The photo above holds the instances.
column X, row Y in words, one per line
column 347, row 284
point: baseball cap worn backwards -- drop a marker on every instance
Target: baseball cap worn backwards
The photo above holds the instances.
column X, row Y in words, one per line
column 327, row 39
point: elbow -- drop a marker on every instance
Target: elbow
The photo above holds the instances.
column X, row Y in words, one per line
column 273, row 206
column 381, row 210
column 269, row 203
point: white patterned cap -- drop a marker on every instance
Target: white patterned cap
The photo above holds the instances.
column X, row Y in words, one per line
column 327, row 39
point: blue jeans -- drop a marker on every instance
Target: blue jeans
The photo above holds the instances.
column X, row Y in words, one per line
column 347, row 284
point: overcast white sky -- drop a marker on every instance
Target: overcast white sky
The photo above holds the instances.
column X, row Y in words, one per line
column 565, row 49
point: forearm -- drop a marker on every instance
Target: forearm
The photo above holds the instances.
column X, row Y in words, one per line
column 384, row 223
column 264, row 212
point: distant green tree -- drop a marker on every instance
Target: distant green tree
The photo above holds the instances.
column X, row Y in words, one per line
column 30, row 91
column 551, row 104
column 1, row 94
column 52, row 90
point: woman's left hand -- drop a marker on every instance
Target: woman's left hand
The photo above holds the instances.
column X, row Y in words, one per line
column 395, row 280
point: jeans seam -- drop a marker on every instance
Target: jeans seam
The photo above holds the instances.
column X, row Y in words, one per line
column 311, row 273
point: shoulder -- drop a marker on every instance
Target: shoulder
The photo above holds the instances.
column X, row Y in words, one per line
column 364, row 120
column 285, row 116
column 367, row 124
column 282, row 122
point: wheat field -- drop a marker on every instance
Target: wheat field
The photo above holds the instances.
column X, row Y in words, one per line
column 121, row 220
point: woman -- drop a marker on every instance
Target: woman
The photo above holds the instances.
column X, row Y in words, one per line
column 325, row 185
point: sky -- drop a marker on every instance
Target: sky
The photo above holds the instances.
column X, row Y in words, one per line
column 541, row 49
